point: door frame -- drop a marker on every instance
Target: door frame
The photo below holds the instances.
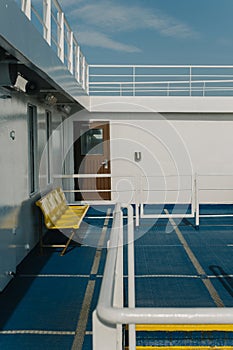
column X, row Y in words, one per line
column 92, row 163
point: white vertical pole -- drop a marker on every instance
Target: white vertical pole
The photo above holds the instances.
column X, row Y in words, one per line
column 204, row 88
column 131, row 276
column 134, row 68
column 26, row 7
column 137, row 198
column 197, row 221
column 193, row 210
column 137, row 214
column 106, row 337
column 118, row 297
column 141, row 210
column 60, row 35
column 83, row 73
column 47, row 20
column 77, row 59
column 118, row 290
column 190, row 81
column 70, row 51
column 87, row 78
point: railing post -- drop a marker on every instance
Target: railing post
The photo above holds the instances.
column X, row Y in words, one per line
column 60, row 35
column 190, row 81
column 168, row 89
column 137, row 183
column 26, row 7
column 70, row 51
column 109, row 336
column 77, row 63
column 204, row 88
column 193, row 199
column 104, row 336
column 134, row 69
column 47, row 20
column 83, row 72
column 118, row 297
column 197, row 217
column 87, row 78
column 131, row 275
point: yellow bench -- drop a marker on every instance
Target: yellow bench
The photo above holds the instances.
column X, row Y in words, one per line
column 58, row 216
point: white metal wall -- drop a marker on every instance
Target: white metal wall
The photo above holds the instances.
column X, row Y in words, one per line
column 19, row 224
column 174, row 147
column 170, row 144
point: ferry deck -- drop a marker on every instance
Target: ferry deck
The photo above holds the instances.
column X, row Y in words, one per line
column 147, row 151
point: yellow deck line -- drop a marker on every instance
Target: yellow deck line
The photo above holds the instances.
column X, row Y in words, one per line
column 183, row 347
column 184, row 327
column 208, row 284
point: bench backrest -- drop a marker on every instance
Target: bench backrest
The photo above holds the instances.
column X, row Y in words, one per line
column 53, row 205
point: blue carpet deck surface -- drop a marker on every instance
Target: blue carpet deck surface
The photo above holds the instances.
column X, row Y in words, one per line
column 40, row 308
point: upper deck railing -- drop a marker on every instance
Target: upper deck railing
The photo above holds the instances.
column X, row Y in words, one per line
column 160, row 80
column 123, row 80
column 48, row 17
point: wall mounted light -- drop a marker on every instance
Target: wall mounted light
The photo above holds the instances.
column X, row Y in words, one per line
column 8, row 74
column 50, row 99
column 65, row 108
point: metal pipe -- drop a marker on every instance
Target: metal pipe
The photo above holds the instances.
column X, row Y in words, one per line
column 131, row 274
column 112, row 316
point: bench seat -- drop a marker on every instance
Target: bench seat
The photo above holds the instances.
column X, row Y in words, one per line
column 60, row 216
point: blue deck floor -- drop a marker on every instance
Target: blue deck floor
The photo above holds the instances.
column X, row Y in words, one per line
column 41, row 307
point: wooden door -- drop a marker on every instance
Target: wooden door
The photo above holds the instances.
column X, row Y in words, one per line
column 92, row 157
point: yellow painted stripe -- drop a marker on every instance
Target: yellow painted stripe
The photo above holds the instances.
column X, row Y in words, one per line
column 183, row 347
column 184, row 327
column 208, row 284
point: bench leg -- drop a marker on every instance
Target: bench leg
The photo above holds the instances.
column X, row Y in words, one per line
column 68, row 242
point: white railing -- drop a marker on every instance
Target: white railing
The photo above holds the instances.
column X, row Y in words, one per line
column 160, row 80
column 141, row 190
column 183, row 191
column 177, row 189
column 50, row 20
column 123, row 80
column 224, row 187
column 110, row 313
column 109, row 336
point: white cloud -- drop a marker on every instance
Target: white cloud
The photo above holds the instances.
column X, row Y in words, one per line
column 97, row 39
column 67, row 3
column 107, row 15
column 96, row 22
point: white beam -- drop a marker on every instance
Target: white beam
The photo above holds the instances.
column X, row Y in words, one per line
column 26, row 7
column 60, row 35
column 47, row 20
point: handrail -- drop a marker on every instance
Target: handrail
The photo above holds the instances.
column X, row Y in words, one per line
column 161, row 80
column 192, row 193
column 108, row 317
column 199, row 189
column 59, row 35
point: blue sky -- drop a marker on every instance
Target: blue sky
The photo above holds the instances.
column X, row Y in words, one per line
column 153, row 31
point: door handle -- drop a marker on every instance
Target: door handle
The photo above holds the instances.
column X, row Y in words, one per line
column 105, row 163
